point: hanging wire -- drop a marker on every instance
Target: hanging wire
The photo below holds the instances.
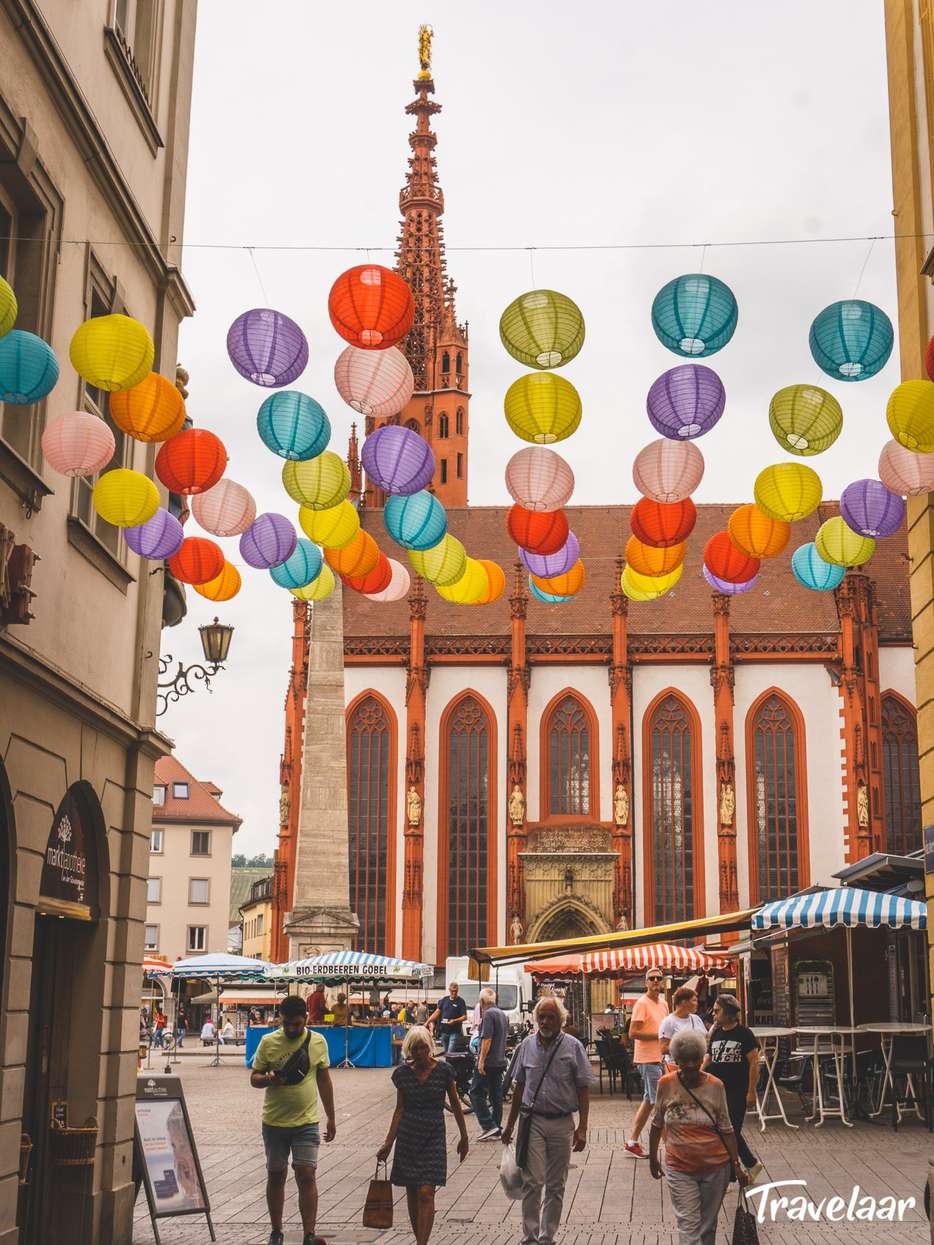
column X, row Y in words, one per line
column 703, row 256
column 259, row 277
column 859, row 279
column 531, row 251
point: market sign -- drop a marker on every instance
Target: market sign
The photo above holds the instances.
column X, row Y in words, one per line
column 166, row 1153
column 68, row 886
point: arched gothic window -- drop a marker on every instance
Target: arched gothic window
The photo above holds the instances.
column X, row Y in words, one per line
column 370, row 804
column 445, row 362
column 568, row 749
column 778, row 864
column 459, row 421
column 672, row 788
column 443, row 426
column 467, row 855
column 413, row 424
column 901, row 776
column 460, row 363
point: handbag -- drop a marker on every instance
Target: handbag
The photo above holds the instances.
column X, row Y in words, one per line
column 745, row 1231
column 524, row 1131
column 377, row 1209
column 716, row 1129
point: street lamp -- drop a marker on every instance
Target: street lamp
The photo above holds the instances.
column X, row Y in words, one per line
column 215, row 643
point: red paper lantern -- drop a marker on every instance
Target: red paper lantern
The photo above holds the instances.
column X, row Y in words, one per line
column 377, row 580
column 191, row 462
column 371, row 307
column 197, row 561
column 727, row 561
column 537, row 531
column 661, row 523
column 929, row 359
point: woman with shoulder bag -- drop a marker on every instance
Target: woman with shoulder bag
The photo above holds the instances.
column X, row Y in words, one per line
column 700, row 1148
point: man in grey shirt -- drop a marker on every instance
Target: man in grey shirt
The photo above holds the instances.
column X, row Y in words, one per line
column 486, row 1088
column 553, row 1078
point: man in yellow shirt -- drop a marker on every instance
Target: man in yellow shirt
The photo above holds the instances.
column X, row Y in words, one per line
column 291, row 1065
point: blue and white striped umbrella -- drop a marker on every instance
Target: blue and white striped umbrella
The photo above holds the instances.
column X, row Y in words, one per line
column 220, row 965
column 350, row 966
column 847, row 906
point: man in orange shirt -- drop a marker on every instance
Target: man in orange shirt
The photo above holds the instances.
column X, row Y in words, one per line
column 647, row 1017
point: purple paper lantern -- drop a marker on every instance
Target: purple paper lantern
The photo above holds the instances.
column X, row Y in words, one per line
column 268, row 541
column 546, row 565
column 686, row 401
column 398, row 460
column 267, row 347
column 158, row 538
column 724, row 586
column 871, row 509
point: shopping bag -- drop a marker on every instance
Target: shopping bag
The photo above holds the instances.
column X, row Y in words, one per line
column 377, row 1209
column 745, row 1231
column 511, row 1175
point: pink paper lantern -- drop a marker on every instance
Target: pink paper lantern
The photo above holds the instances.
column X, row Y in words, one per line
column 397, row 588
column 374, row 382
column 905, row 472
column 539, row 479
column 668, row 471
column 227, row 509
column 78, row 444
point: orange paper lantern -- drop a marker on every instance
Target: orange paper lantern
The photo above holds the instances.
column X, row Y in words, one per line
column 754, row 533
column 497, row 581
column 371, row 307
column 565, row 585
column 192, row 462
column 724, row 560
column 153, row 410
column 356, row 559
column 197, row 561
column 377, row 580
column 652, row 560
column 223, row 587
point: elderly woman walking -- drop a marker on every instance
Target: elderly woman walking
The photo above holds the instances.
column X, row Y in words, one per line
column 700, row 1148
column 417, row 1128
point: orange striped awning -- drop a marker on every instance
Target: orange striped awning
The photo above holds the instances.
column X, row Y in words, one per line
column 619, row 961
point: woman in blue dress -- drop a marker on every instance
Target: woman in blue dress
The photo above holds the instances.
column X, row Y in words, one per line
column 417, row 1128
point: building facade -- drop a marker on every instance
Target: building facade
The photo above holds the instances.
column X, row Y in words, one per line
column 256, row 921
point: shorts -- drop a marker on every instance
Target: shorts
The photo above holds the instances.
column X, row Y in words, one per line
column 302, row 1141
column 650, row 1076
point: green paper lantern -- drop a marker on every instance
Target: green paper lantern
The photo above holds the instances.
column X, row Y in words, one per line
column 542, row 329
column 805, row 419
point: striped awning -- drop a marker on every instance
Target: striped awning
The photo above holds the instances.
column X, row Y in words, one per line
column 847, row 906
column 350, row 966
column 220, row 966
column 619, row 961
column 156, row 968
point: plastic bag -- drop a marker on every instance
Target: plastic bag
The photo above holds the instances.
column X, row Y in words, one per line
column 511, row 1175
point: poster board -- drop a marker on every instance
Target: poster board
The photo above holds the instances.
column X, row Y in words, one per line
column 165, row 1152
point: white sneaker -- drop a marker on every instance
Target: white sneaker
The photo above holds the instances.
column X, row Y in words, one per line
column 490, row 1134
column 754, row 1172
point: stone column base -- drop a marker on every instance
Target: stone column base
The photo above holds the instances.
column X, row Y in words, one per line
column 315, row 931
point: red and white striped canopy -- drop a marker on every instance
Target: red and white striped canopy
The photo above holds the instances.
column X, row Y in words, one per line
column 619, row 961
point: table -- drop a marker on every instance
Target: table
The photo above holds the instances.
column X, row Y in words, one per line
column 887, row 1029
column 836, row 1047
column 368, row 1047
column 768, row 1036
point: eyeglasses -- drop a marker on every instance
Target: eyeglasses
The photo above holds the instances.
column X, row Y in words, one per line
column 655, row 978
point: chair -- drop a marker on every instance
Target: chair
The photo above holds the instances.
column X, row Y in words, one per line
column 614, row 1057
column 797, row 1075
column 910, row 1061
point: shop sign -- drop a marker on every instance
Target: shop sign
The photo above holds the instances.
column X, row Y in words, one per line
column 68, row 886
column 166, row 1153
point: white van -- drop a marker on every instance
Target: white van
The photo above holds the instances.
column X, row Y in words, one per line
column 513, row 987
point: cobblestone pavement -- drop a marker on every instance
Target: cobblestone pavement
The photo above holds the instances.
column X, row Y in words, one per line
column 611, row 1198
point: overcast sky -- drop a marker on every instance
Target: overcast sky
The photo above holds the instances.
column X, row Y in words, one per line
column 672, row 123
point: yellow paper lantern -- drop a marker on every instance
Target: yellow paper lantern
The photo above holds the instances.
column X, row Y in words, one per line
column 112, row 352
column 125, row 498
column 910, row 413
column 542, row 408
column 333, row 528
column 496, row 581
column 840, row 545
column 566, row 585
column 649, row 560
column 319, row 483
column 472, row 586
column 8, row 307
column 635, row 594
column 319, row 588
column 656, row 585
column 788, row 491
column 223, row 586
column 443, row 564
column 756, row 533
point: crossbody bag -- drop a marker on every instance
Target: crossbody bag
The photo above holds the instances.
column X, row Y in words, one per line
column 715, row 1125
column 296, row 1067
column 524, row 1131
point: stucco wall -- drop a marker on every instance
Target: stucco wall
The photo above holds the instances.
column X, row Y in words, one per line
column 176, row 866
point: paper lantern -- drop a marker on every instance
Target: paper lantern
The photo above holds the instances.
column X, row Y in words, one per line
column 547, row 598
column 371, row 306
column 153, row 410
column 542, row 408
column 318, row 483
column 470, row 588
column 726, row 561
column 652, row 560
column 223, row 587
column 123, row 497
column 542, row 328
column 113, row 352
column 634, row 594
column 28, row 368
column 910, row 414
column 668, row 471
column 157, row 538
column 725, row 587
column 397, row 459
column 197, row 561
column 267, row 347
column 441, row 565
column 293, row 425
column 301, row 566
column 542, row 532
column 566, row 585
column 686, row 401
column 871, row 509
column 694, row 315
column 77, row 444
column 399, row 585
column 417, row 521
column 662, row 523
column 839, row 544
column 268, row 541
column 539, row 479
column 378, row 579
column 496, row 582
column 805, row 419
column 192, row 462
column 356, row 559
column 788, row 491
column 756, row 533
column 374, row 382
column 319, row 589
column 929, row 359
column 851, row 340
column 227, row 509
column 905, row 472
column 8, row 307
column 811, row 571
column 333, row 528
column 654, row 585
column 545, row 565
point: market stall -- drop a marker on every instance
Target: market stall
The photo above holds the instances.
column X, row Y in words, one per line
column 220, row 968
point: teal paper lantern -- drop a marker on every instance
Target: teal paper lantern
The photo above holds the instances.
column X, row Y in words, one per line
column 851, row 340
column 811, row 571
column 293, row 425
column 416, row 521
column 300, row 568
column 548, row 598
column 28, row 368
column 694, row 315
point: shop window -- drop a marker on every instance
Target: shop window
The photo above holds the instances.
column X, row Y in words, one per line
column 180, row 790
column 158, row 796
column 670, row 815
column 197, row 938
column 154, row 890
column 466, row 857
column 459, row 421
column 443, row 426
column 444, row 471
column 151, row 938
column 901, row 776
column 155, row 842
column 567, row 733
column 778, row 863
column 201, row 842
column 199, row 890
column 370, row 796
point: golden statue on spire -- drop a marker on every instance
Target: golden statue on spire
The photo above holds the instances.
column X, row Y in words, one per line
column 425, row 35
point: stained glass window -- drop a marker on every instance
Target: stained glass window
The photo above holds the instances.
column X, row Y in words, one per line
column 672, row 812
column 901, row 777
column 468, row 790
column 774, row 815
column 368, row 780
column 569, row 759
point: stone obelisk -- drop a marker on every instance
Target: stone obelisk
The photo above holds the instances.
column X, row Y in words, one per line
column 321, row 919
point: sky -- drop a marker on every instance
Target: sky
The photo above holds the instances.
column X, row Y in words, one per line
column 648, row 140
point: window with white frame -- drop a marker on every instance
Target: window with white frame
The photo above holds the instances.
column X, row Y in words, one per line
column 180, row 790
column 151, row 938
column 155, row 841
column 154, row 890
column 197, row 938
column 158, row 796
column 199, row 890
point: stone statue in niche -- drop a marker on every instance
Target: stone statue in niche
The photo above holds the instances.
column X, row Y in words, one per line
column 517, row 806
column 862, row 804
column 413, row 807
column 621, row 805
column 569, row 880
column 727, row 804
column 515, row 929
